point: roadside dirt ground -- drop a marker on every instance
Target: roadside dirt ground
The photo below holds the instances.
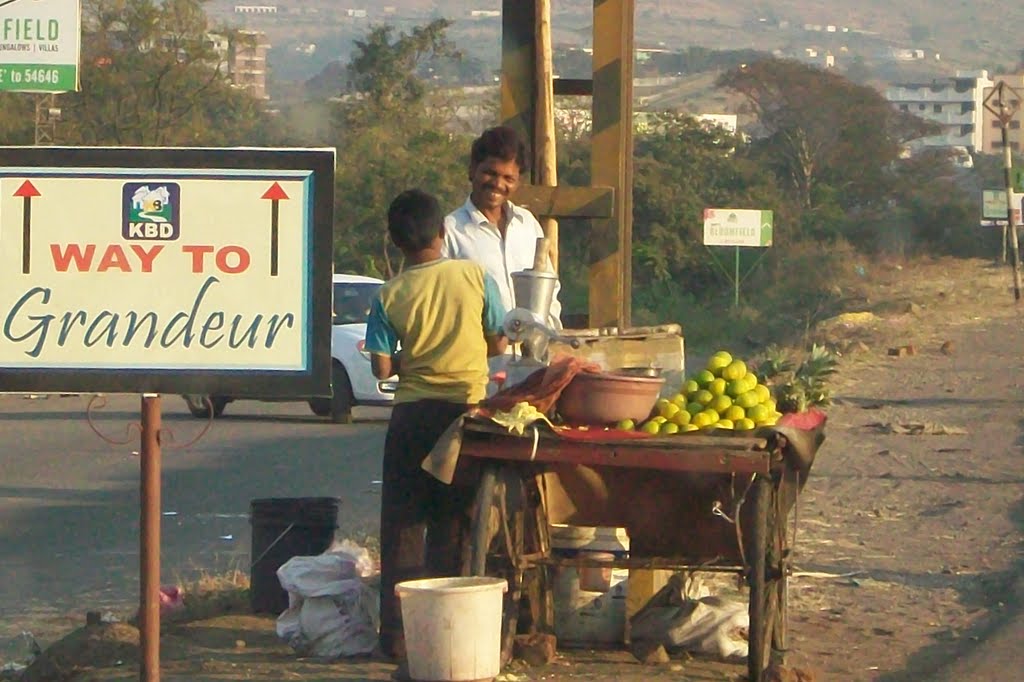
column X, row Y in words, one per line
column 908, row 547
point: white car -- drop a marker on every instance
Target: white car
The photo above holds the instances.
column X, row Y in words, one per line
column 352, row 379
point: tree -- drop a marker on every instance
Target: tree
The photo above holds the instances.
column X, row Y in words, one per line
column 150, row 76
column 820, row 128
column 391, row 135
column 17, row 119
column 681, row 167
column 859, row 71
column 384, row 69
column 920, row 33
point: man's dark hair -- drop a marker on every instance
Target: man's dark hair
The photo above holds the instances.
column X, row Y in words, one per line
column 414, row 220
column 501, row 142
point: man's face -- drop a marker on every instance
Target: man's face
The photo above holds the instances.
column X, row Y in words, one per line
column 494, row 180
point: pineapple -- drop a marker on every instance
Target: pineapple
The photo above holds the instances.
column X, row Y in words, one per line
column 807, row 386
column 776, row 363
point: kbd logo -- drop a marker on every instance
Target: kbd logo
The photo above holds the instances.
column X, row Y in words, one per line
column 150, row 210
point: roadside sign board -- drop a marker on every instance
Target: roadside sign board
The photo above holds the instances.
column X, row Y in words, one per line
column 40, row 45
column 737, row 227
column 993, row 204
column 166, row 270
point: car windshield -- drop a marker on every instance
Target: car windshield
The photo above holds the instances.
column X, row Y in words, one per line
column 352, row 301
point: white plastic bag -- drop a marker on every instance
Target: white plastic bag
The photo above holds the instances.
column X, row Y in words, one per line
column 711, row 626
column 705, row 625
column 317, row 576
column 332, row 613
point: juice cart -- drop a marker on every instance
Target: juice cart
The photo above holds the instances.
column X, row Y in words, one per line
column 689, row 503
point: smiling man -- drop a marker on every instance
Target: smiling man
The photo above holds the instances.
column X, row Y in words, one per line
column 489, row 229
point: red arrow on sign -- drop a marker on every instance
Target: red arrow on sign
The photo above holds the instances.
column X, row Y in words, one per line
column 27, row 191
column 275, row 194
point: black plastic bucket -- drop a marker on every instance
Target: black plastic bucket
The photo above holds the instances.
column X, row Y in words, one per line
column 283, row 528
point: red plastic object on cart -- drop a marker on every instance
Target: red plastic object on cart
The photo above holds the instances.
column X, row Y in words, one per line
column 805, row 421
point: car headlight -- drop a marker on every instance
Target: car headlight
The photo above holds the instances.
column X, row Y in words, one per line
column 387, row 386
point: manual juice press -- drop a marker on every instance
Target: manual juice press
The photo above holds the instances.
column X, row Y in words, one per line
column 529, row 323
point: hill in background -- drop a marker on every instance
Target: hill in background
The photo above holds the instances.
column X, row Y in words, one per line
column 905, row 40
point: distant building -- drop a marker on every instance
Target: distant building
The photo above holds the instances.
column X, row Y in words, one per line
column 992, row 128
column 255, row 9
column 903, row 54
column 219, row 44
column 644, row 54
column 247, row 63
column 485, row 13
column 725, row 121
column 954, row 103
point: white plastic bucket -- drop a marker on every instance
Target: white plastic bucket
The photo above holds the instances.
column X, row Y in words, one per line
column 452, row 627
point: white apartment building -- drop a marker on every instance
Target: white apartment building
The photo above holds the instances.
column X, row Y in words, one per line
column 954, row 103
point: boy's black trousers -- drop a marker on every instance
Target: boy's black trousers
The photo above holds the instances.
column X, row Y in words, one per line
column 422, row 520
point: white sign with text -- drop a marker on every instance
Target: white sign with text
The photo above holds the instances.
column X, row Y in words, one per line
column 156, row 268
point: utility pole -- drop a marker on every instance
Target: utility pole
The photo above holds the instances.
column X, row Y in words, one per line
column 1004, row 103
column 47, row 115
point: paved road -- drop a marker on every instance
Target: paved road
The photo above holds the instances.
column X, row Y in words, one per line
column 69, row 502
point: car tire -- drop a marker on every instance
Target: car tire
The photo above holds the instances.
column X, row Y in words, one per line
column 341, row 397
column 199, row 405
column 321, row 406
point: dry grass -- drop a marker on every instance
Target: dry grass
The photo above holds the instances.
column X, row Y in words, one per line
column 213, row 595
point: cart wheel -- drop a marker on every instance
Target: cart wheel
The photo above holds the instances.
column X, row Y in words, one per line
column 767, row 579
column 499, row 508
column 482, row 532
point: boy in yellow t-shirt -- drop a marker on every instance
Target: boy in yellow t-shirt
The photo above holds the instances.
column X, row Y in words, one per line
column 446, row 315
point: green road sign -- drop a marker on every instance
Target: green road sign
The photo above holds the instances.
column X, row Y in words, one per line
column 737, row 227
column 40, row 43
column 993, row 204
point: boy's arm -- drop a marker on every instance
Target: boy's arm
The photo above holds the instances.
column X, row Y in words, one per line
column 381, row 342
column 385, row 366
column 496, row 345
column 494, row 315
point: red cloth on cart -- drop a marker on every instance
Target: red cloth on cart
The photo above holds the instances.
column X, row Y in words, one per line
column 542, row 388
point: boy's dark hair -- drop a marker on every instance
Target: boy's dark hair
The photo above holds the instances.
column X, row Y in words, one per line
column 414, row 220
column 501, row 142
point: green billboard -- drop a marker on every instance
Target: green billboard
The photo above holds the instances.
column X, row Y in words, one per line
column 40, row 44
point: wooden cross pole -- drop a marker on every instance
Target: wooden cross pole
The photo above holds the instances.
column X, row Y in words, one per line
column 608, row 203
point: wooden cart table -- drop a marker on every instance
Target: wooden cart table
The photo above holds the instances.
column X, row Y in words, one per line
column 688, row 502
